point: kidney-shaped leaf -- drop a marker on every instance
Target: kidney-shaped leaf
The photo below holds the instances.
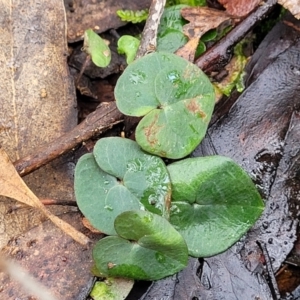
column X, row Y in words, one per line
column 156, row 251
column 176, row 97
column 144, row 175
column 99, row 195
column 214, row 202
column 118, row 177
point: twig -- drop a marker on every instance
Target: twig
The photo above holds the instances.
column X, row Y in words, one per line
column 219, row 55
column 105, row 116
column 148, row 41
column 47, row 201
column 85, row 64
column 273, row 284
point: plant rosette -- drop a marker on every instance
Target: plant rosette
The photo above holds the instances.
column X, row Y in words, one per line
column 176, row 99
column 118, row 176
column 214, row 203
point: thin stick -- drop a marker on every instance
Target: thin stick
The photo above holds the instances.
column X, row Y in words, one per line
column 85, row 64
column 149, row 35
column 102, row 119
column 47, row 201
column 273, row 284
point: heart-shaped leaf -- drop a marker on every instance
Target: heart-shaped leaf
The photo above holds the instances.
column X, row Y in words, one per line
column 118, row 177
column 176, row 97
column 156, row 251
column 144, row 175
column 99, row 195
column 214, row 202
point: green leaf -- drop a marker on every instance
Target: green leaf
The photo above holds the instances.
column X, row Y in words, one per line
column 214, row 203
column 112, row 289
column 120, row 177
column 209, row 35
column 171, row 41
column 133, row 16
column 95, row 46
column 144, row 175
column 171, row 19
column 192, row 2
column 128, row 45
column 176, row 97
column 100, row 197
column 170, row 35
column 201, row 48
column 156, row 251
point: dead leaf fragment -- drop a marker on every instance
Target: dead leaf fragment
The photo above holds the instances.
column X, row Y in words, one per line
column 202, row 19
column 293, row 6
column 240, row 8
column 98, row 15
column 12, row 186
column 37, row 101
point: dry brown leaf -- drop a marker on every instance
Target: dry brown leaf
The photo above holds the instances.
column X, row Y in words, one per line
column 293, row 6
column 12, row 186
column 201, row 20
column 37, row 101
column 240, row 8
column 99, row 15
column 37, row 96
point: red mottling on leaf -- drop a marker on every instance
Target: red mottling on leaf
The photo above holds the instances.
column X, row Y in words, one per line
column 151, row 130
column 194, row 107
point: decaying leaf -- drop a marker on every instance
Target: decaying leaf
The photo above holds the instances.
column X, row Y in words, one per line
column 98, row 15
column 201, row 20
column 240, row 8
column 12, row 186
column 34, row 76
column 292, row 5
column 37, row 101
column 112, row 289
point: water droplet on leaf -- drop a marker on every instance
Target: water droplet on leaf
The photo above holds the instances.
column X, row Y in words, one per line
column 137, row 77
column 173, row 77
